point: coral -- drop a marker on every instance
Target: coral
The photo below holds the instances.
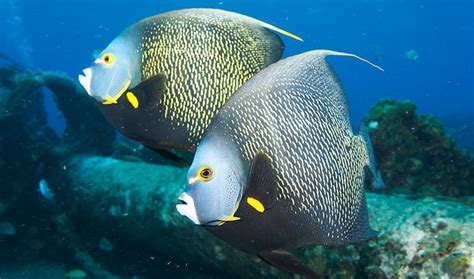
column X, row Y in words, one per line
column 421, row 238
column 456, row 265
column 415, row 153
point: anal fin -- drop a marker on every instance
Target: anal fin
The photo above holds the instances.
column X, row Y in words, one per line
column 285, row 260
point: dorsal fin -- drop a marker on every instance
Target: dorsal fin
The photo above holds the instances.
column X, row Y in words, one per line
column 278, row 30
column 326, row 52
column 267, row 26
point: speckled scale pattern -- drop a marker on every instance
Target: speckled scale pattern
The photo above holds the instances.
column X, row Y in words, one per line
column 201, row 79
column 296, row 112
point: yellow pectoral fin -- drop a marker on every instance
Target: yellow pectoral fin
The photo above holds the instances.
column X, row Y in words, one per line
column 256, row 204
column 132, row 99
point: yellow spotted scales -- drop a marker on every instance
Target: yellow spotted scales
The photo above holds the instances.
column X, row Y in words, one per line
column 200, row 78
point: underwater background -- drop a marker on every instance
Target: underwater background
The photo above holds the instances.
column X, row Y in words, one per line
column 78, row 201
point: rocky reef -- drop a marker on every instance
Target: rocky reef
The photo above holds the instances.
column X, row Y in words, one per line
column 415, row 154
column 423, row 238
column 112, row 212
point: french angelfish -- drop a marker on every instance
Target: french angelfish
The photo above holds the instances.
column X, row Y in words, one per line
column 163, row 79
column 280, row 167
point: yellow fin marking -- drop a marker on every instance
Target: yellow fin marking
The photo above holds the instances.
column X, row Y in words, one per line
column 231, row 218
column 113, row 100
column 132, row 99
column 109, row 101
column 256, row 204
column 287, row 33
column 281, row 31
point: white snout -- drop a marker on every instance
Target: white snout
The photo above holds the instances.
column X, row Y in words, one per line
column 85, row 80
column 187, row 209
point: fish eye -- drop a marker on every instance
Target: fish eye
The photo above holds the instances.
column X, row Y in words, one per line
column 108, row 58
column 205, row 173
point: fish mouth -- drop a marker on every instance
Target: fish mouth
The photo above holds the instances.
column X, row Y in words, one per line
column 187, row 208
column 85, row 80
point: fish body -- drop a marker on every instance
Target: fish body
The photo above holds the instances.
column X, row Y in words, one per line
column 411, row 54
column 45, row 191
column 298, row 169
column 163, row 79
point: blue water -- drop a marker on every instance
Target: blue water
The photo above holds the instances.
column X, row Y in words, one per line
column 64, row 34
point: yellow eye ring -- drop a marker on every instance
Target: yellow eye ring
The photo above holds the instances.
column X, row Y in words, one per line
column 205, row 173
column 107, row 58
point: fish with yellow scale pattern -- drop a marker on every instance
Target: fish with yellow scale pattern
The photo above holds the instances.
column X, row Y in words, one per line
column 163, row 79
column 280, row 167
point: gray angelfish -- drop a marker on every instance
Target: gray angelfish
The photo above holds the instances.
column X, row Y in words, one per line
column 280, row 167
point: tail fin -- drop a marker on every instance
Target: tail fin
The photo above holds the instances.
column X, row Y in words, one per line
column 377, row 181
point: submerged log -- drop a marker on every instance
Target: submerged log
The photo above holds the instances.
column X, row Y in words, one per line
column 133, row 205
